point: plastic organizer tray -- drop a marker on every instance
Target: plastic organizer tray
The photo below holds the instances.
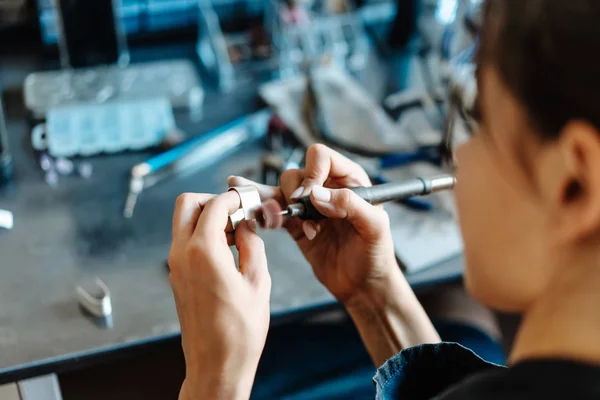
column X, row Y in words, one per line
column 87, row 129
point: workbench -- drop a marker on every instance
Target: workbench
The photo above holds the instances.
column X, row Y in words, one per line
column 70, row 234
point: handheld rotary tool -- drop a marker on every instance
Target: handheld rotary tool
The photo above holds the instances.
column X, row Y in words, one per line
column 271, row 216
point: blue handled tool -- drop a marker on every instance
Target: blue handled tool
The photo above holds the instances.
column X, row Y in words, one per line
column 194, row 154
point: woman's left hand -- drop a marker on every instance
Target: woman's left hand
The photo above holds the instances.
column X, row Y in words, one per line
column 224, row 313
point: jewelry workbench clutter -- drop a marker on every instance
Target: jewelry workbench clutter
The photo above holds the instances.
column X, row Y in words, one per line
column 95, row 150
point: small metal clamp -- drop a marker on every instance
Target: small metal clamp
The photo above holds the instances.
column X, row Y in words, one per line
column 97, row 304
column 249, row 204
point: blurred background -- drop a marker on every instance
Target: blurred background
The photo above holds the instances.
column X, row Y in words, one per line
column 109, row 109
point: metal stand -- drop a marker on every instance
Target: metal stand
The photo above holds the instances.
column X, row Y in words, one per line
column 212, row 48
column 40, row 388
column 339, row 37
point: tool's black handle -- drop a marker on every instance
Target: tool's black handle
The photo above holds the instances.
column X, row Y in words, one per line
column 310, row 212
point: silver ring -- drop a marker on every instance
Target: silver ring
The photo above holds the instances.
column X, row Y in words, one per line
column 249, row 202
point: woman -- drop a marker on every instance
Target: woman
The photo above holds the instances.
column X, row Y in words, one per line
column 529, row 204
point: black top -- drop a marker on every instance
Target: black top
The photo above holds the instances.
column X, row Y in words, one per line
column 448, row 371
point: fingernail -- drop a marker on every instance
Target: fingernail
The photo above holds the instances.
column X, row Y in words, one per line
column 321, row 194
column 307, row 191
column 310, row 230
column 297, row 193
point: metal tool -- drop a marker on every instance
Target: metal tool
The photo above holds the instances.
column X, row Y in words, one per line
column 194, row 154
column 378, row 194
column 411, row 203
column 98, row 303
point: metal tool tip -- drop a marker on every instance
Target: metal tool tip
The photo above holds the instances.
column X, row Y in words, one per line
column 445, row 182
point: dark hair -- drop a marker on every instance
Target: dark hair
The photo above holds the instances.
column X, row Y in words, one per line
column 547, row 52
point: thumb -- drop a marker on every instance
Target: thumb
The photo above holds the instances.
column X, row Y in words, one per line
column 253, row 259
column 368, row 220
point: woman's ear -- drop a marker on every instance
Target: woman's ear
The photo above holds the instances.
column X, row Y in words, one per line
column 572, row 181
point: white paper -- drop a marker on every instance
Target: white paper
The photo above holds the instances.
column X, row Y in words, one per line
column 6, row 219
column 423, row 239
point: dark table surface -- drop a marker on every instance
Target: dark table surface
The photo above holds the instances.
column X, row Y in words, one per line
column 70, row 234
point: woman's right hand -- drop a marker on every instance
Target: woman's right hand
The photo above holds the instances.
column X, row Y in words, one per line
column 351, row 252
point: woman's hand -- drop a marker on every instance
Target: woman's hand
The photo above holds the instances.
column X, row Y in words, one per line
column 351, row 252
column 224, row 313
